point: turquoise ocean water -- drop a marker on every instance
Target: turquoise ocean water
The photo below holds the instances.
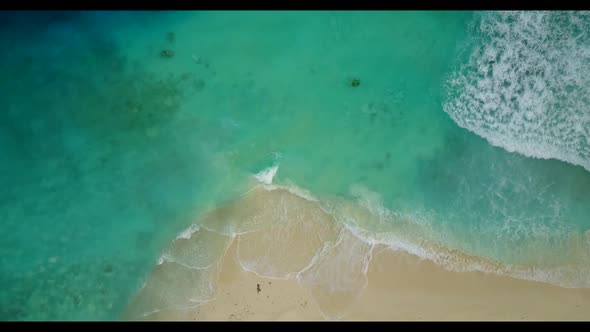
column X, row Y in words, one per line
column 472, row 128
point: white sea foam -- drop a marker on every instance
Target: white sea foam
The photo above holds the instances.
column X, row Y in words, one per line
column 266, row 175
column 293, row 189
column 526, row 85
column 163, row 258
column 187, row 233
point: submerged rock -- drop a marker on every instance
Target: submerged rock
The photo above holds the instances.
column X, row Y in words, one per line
column 171, row 36
column 167, row 53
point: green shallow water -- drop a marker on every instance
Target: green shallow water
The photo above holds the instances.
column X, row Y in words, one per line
column 110, row 149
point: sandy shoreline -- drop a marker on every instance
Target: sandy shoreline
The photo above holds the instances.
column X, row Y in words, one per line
column 400, row 287
column 396, row 285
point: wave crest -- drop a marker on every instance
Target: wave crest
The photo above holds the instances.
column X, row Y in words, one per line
column 526, row 85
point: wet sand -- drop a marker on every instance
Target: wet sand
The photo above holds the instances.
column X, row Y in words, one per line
column 400, row 287
column 396, row 285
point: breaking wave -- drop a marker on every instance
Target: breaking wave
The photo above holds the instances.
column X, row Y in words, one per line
column 526, row 84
